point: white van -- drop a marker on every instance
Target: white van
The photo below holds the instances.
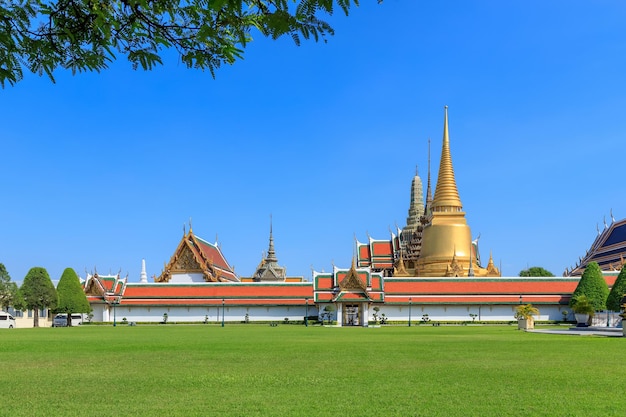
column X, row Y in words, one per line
column 60, row 320
column 6, row 320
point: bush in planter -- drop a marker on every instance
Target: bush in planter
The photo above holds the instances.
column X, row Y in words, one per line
column 524, row 315
column 593, row 286
column 582, row 305
column 526, row 311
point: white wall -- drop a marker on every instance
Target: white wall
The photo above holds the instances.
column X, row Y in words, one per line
column 462, row 312
column 198, row 313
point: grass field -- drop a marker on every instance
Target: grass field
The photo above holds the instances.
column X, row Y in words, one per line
column 253, row 370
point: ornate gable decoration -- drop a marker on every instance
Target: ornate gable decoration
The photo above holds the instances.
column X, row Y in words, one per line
column 189, row 258
column 93, row 287
column 352, row 281
column 185, row 261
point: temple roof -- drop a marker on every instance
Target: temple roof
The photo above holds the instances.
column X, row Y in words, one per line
column 196, row 255
column 107, row 288
column 212, row 294
column 608, row 250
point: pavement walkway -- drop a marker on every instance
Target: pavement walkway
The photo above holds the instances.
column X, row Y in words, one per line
column 584, row 331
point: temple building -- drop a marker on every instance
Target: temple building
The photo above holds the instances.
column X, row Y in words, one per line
column 608, row 250
column 430, row 268
column 436, row 242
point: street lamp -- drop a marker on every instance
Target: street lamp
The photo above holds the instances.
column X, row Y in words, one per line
column 223, row 312
column 306, row 314
column 410, row 304
column 115, row 301
column 520, row 299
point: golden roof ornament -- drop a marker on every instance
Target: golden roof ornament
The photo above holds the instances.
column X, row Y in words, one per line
column 446, row 193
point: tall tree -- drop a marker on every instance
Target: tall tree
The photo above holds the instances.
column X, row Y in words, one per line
column 83, row 35
column 38, row 292
column 8, row 289
column 535, row 271
column 593, row 286
column 613, row 301
column 72, row 298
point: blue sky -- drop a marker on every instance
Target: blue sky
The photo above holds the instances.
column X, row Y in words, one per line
column 102, row 170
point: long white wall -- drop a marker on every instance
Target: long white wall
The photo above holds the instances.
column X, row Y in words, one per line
column 435, row 313
column 199, row 314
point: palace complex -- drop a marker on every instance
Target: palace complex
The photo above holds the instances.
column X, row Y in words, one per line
column 431, row 269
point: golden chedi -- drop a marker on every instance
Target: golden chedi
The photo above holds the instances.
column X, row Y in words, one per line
column 447, row 249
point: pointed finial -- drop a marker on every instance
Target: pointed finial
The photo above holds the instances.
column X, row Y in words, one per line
column 605, row 225
column 184, row 230
column 612, row 218
column 190, row 228
column 470, row 272
column 446, row 193
column 416, row 172
column 271, row 253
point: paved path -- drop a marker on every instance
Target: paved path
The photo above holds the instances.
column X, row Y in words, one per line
column 584, row 331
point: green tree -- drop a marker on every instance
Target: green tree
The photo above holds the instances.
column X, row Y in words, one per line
column 8, row 289
column 613, row 301
column 593, row 286
column 38, row 292
column 84, row 35
column 535, row 271
column 72, row 298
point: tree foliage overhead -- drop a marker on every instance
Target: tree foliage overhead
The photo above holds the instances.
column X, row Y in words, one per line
column 613, row 301
column 85, row 35
column 72, row 298
column 38, row 292
column 593, row 286
column 535, row 271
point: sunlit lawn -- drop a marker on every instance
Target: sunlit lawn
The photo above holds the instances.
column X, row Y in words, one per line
column 254, row 370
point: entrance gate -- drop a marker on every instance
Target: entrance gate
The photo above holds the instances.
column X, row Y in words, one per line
column 351, row 315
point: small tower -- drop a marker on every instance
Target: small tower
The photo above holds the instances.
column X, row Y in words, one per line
column 143, row 278
column 268, row 269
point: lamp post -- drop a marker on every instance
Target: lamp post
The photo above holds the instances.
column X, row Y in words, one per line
column 114, row 301
column 410, row 305
column 223, row 312
column 306, row 314
column 520, row 299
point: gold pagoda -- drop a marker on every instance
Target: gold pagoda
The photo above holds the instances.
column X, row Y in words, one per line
column 446, row 247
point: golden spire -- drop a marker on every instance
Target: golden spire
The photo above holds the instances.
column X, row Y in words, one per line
column 429, row 194
column 446, row 194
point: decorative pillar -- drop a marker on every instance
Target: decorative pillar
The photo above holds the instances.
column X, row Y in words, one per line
column 339, row 314
column 365, row 316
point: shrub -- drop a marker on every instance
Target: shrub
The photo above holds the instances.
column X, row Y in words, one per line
column 593, row 286
column 613, row 301
column 582, row 305
column 526, row 311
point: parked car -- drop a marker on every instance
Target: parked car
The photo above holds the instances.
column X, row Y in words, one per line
column 60, row 320
column 7, row 321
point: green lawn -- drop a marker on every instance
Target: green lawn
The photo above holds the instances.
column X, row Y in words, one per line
column 253, row 370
